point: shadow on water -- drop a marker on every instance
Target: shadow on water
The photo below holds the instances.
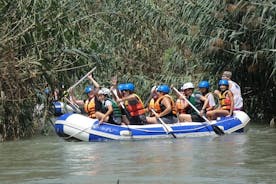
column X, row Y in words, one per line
column 236, row 158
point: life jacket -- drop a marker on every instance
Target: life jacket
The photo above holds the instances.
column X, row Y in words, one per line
column 158, row 107
column 135, row 107
column 90, row 107
column 196, row 102
column 180, row 103
column 224, row 100
column 151, row 103
column 116, row 109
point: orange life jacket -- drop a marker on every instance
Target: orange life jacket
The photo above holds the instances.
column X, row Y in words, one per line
column 90, row 107
column 151, row 103
column 180, row 103
column 224, row 100
column 135, row 107
column 158, row 106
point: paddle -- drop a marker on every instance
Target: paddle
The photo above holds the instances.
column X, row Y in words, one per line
column 151, row 95
column 216, row 129
column 77, row 83
column 122, row 104
column 74, row 85
column 74, row 106
column 167, row 128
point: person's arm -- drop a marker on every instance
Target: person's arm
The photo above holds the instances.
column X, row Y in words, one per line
column 127, row 98
column 230, row 94
column 109, row 111
column 204, row 107
column 94, row 82
column 211, row 102
column 74, row 99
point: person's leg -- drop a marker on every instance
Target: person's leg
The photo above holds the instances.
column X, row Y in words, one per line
column 181, row 117
column 217, row 113
column 100, row 115
column 186, row 118
column 169, row 120
column 151, row 120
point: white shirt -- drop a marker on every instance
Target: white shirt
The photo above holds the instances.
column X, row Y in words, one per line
column 107, row 103
column 211, row 100
column 236, row 90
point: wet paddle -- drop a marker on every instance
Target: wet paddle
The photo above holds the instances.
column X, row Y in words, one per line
column 167, row 128
column 216, row 129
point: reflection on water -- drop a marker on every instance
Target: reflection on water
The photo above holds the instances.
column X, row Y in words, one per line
column 239, row 158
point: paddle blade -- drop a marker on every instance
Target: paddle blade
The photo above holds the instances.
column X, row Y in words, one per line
column 217, row 130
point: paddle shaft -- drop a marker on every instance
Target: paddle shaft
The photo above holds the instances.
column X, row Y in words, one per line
column 217, row 130
column 151, row 95
column 77, row 83
column 75, row 106
column 122, row 105
column 197, row 111
column 168, row 129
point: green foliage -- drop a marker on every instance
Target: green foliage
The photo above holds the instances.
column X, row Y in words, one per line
column 147, row 42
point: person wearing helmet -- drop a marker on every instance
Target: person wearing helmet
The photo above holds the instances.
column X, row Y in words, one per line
column 164, row 107
column 110, row 111
column 134, row 105
column 209, row 103
column 235, row 89
column 196, row 99
column 226, row 101
column 91, row 104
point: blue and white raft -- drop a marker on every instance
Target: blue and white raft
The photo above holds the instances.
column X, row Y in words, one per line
column 80, row 127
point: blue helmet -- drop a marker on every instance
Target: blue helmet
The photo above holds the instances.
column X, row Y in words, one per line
column 88, row 89
column 121, row 87
column 204, row 84
column 223, row 82
column 129, row 87
column 163, row 88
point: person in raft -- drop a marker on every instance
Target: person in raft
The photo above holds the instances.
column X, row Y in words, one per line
column 164, row 107
column 209, row 103
column 133, row 104
column 235, row 89
column 91, row 104
column 196, row 99
column 110, row 111
column 226, row 101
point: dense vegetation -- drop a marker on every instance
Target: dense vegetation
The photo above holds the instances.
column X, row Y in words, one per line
column 147, row 42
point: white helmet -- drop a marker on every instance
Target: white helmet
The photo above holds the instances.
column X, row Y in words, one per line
column 104, row 91
column 187, row 85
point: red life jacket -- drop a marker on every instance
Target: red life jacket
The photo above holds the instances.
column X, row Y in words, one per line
column 136, row 107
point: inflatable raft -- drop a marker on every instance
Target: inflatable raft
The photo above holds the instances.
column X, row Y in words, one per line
column 74, row 126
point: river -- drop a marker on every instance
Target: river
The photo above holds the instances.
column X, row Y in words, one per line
column 235, row 158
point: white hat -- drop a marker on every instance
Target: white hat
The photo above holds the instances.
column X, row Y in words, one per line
column 187, row 85
column 104, row 91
